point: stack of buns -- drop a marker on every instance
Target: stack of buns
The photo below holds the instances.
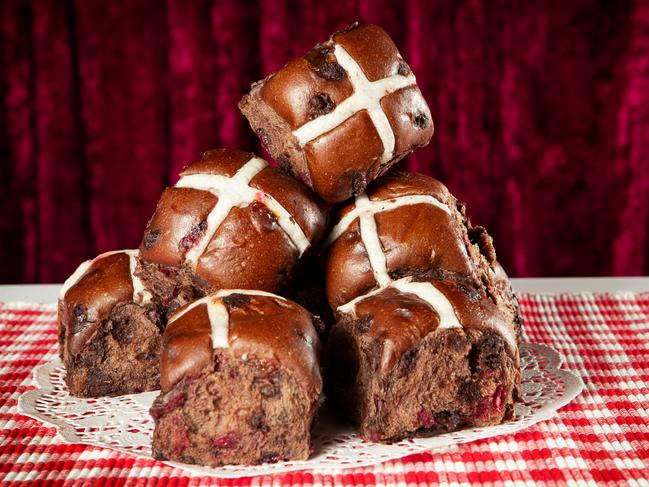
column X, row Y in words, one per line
column 420, row 330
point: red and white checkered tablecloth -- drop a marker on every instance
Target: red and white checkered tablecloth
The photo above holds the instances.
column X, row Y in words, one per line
column 602, row 437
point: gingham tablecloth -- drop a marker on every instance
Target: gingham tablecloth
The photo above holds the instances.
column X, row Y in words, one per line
column 602, row 437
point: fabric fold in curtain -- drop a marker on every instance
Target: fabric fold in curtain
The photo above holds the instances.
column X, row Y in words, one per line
column 541, row 112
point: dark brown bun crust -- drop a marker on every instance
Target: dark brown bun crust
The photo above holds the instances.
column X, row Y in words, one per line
column 241, row 383
column 312, row 115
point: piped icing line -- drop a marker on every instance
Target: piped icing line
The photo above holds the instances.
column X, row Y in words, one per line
column 380, row 206
column 367, row 96
column 140, row 294
column 234, row 192
column 425, row 291
column 219, row 323
column 372, row 242
column 218, row 313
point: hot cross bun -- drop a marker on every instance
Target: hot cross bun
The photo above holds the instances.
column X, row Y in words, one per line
column 420, row 358
column 342, row 114
column 231, row 221
column 109, row 328
column 240, row 377
column 408, row 224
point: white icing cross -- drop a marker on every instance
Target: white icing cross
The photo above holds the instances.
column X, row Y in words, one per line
column 218, row 314
column 367, row 96
column 140, row 293
column 370, row 238
column 219, row 323
column 236, row 192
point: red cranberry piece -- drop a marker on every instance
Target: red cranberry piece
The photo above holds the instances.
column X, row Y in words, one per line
column 168, row 271
column 375, row 436
column 494, row 405
column 181, row 439
column 227, row 440
column 182, row 442
column 425, row 419
column 174, row 402
column 156, row 413
column 167, row 298
column 499, row 398
column 482, row 410
column 194, row 235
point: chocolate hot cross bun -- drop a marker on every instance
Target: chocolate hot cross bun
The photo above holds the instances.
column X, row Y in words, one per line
column 342, row 114
column 408, row 224
column 109, row 328
column 240, row 377
column 231, row 221
column 421, row 358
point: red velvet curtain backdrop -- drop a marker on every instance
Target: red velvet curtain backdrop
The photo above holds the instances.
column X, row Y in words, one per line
column 541, row 112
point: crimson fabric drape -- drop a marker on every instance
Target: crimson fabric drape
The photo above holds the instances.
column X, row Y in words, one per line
column 541, row 113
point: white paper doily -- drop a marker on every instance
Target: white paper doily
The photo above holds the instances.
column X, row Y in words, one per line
column 123, row 423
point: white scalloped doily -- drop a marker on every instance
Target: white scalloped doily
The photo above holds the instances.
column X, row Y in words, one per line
column 123, row 423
